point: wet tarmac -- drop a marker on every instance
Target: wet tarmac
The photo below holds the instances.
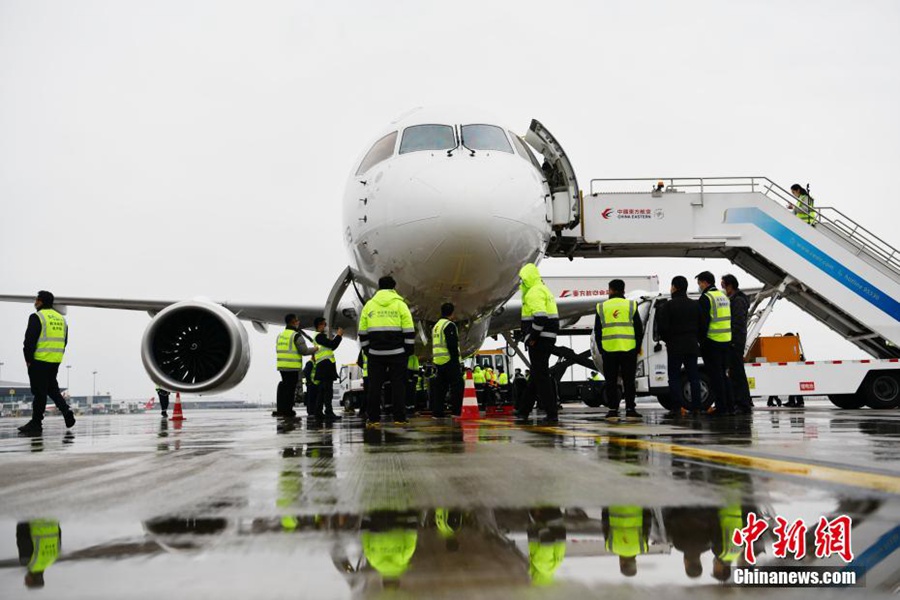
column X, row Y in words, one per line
column 229, row 504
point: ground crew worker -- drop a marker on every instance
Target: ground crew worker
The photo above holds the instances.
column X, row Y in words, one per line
column 617, row 328
column 479, row 379
column 387, row 336
column 804, row 208
column 363, row 361
column 680, row 325
column 412, row 382
column 163, row 400
column 740, row 308
column 503, row 385
column 326, row 372
column 540, row 325
column 715, row 309
column 38, row 542
column 627, row 532
column 445, row 355
column 45, row 345
column 290, row 347
column 518, row 387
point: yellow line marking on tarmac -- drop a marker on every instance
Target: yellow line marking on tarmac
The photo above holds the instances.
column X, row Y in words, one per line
column 873, row 481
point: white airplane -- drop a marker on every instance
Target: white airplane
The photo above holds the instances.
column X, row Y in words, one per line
column 447, row 201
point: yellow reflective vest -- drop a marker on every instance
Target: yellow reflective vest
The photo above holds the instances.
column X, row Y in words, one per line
column 731, row 518
column 617, row 323
column 286, row 352
column 719, row 316
column 45, row 539
column 440, row 353
column 51, row 344
column 626, row 531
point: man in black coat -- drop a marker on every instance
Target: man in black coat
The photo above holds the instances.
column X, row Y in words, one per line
column 680, row 323
column 320, row 408
column 740, row 308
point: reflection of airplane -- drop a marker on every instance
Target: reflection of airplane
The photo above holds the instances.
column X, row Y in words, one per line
column 446, row 201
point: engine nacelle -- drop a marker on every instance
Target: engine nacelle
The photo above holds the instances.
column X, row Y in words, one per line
column 196, row 346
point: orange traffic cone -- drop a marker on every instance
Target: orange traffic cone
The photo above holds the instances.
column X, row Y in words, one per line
column 470, row 400
column 177, row 415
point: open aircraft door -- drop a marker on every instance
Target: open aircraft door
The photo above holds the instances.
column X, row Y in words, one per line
column 560, row 176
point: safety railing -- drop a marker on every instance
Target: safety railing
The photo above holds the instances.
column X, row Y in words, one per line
column 837, row 222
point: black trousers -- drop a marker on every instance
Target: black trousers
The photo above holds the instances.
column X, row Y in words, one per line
column 382, row 369
column 622, row 364
column 676, row 392
column 284, row 396
column 42, row 377
column 323, row 398
column 715, row 359
column 164, row 400
column 540, row 384
column 449, row 379
column 312, row 397
column 737, row 376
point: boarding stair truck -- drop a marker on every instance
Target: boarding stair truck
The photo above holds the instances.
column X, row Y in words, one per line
column 834, row 269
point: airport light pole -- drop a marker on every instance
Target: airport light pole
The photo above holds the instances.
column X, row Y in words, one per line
column 94, row 392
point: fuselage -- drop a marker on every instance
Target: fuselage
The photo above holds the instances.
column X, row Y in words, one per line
column 451, row 204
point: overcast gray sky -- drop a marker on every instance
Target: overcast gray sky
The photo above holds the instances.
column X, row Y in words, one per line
column 166, row 149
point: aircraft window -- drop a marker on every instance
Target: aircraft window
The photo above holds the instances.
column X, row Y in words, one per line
column 383, row 149
column 485, row 137
column 524, row 151
column 427, row 137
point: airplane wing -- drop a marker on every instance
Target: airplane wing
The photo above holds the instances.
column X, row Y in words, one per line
column 258, row 314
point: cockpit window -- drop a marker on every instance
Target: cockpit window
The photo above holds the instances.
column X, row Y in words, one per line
column 383, row 149
column 523, row 150
column 485, row 137
column 427, row 137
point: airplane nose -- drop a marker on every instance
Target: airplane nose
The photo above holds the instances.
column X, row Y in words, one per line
column 468, row 224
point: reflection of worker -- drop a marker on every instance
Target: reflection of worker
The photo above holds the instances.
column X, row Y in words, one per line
column 45, row 344
column 627, row 532
column 389, row 542
column 540, row 326
column 804, row 207
column 448, row 524
column 163, row 400
column 690, row 529
column 617, row 328
column 546, row 545
column 290, row 347
column 445, row 344
column 725, row 551
column 39, row 545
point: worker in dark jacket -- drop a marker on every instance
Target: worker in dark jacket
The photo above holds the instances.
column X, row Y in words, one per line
column 45, row 344
column 445, row 354
column 326, row 372
column 618, row 330
column 680, row 323
column 715, row 343
column 740, row 309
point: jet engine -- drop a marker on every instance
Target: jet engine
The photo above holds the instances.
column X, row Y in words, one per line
column 196, row 346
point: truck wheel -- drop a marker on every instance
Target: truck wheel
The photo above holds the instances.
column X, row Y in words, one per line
column 665, row 400
column 882, row 390
column 848, row 401
column 593, row 395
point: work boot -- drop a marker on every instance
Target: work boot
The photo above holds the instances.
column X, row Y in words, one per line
column 31, row 428
column 165, row 415
column 790, row 403
column 333, row 417
column 612, row 414
column 633, row 414
column 800, row 403
column 69, row 418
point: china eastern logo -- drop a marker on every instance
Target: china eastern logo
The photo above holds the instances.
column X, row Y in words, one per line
column 633, row 214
